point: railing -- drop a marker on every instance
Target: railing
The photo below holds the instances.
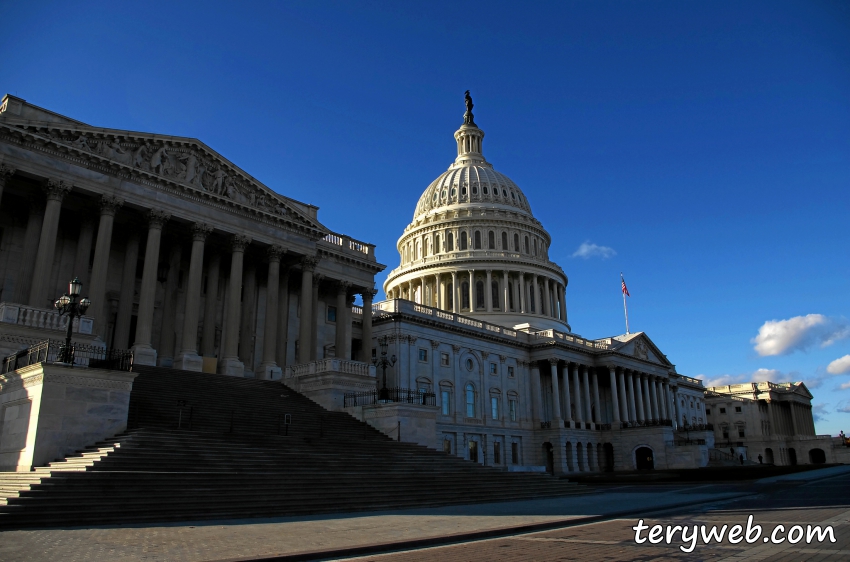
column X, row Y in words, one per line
column 696, row 427
column 389, row 395
column 466, row 254
column 41, row 318
column 80, row 355
column 330, row 365
column 718, row 455
column 647, row 423
column 545, row 425
column 686, row 442
column 691, row 380
column 347, row 243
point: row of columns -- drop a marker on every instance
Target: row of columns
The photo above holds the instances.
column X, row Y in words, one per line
column 41, row 236
column 527, row 288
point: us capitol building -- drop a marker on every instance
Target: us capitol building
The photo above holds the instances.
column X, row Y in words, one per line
column 193, row 264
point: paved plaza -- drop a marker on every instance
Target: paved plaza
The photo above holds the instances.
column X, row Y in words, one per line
column 594, row 526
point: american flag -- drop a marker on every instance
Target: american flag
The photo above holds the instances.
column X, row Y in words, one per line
column 625, row 290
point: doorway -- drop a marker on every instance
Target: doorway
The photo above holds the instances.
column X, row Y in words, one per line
column 549, row 455
column 644, row 459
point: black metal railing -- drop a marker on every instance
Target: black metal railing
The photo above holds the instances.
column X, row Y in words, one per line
column 685, row 442
column 79, row 355
column 647, row 423
column 545, row 425
column 386, row 395
column 695, row 427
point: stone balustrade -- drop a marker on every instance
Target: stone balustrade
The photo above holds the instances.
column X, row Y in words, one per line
column 330, row 365
column 41, row 318
column 349, row 244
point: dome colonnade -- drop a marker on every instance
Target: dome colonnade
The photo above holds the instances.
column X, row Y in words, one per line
column 474, row 247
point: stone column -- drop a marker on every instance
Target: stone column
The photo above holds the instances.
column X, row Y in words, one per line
column 308, row 266
column 248, row 320
column 641, row 414
column 211, row 305
column 229, row 363
column 455, row 293
column 647, row 398
column 630, row 390
column 567, row 398
column 188, row 358
column 596, row 402
column 269, row 369
column 6, row 172
column 653, row 397
column 586, row 384
column 438, row 292
column 83, row 254
column 506, row 302
column 556, row 392
column 341, row 318
column 314, row 316
column 488, row 291
column 577, row 394
column 536, row 295
column 521, row 287
column 282, row 344
column 624, row 400
column 97, row 290
column 562, row 297
column 34, row 225
column 537, row 393
column 143, row 353
column 471, row 291
column 615, row 402
column 167, row 331
column 668, row 394
column 56, row 191
column 366, row 345
column 547, row 306
column 121, row 337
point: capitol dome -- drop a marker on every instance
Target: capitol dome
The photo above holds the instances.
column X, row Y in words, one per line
column 475, row 249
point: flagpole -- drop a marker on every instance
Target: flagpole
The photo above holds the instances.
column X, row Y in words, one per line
column 625, row 308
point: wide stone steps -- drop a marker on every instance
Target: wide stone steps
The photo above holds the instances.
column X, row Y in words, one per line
column 232, row 465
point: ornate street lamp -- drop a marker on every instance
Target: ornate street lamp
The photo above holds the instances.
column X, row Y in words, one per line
column 383, row 363
column 67, row 304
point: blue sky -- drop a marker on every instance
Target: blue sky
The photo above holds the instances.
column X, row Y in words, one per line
column 705, row 144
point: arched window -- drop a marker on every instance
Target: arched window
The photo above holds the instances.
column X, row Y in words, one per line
column 470, row 401
column 450, row 241
column 491, row 240
column 479, row 294
column 464, row 295
column 505, row 241
column 516, row 242
column 494, row 291
column 450, row 296
column 477, row 239
column 526, row 244
column 436, row 243
column 463, row 241
column 535, row 246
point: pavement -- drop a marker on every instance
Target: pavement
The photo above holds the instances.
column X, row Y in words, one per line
column 592, row 526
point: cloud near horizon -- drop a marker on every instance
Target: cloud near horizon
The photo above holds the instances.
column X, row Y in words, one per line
column 782, row 337
column 840, row 366
column 589, row 250
column 759, row 375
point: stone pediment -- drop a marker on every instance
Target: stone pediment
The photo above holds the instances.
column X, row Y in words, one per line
column 639, row 346
column 185, row 163
column 801, row 389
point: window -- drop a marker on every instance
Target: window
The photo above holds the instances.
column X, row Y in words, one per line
column 450, row 296
column 477, row 239
column 494, row 294
column 516, row 242
column 491, row 240
column 514, row 453
column 526, row 244
column 331, row 314
column 464, row 295
column 463, row 241
column 510, row 372
column 726, row 433
column 473, row 451
column 699, row 406
column 470, row 401
column 740, row 432
column 497, row 453
column 469, row 365
column 437, row 249
column 445, row 401
column 512, row 408
column 494, row 407
column 444, row 359
column 505, row 241
column 450, row 244
column 447, row 446
column 737, row 409
column 708, row 411
column 535, row 246
column 722, row 410
column 479, row 294
column 423, row 354
column 494, row 369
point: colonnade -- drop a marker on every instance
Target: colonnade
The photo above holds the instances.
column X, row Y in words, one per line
column 515, row 291
column 35, row 277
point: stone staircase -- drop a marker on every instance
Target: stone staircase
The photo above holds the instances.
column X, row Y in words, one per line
column 719, row 457
column 204, row 446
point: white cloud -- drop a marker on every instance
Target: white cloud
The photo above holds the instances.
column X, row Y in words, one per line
column 781, row 337
column 759, row 375
column 843, row 408
column 589, row 250
column 844, row 386
column 840, row 366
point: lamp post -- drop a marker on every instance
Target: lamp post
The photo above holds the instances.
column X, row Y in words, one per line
column 383, row 363
column 67, row 304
